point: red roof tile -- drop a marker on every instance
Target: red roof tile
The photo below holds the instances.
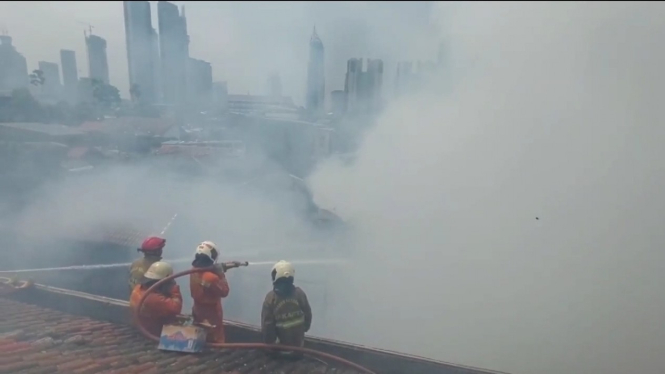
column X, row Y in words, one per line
column 38, row 340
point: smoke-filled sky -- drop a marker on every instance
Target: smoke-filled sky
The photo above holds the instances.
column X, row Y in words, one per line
column 244, row 41
column 515, row 221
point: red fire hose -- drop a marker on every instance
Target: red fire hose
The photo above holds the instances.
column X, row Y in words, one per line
column 307, row 351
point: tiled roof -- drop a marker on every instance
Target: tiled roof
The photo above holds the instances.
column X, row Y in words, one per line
column 38, row 340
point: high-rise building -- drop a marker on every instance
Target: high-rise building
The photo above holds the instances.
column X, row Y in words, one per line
column 52, row 86
column 156, row 66
column 338, row 102
column 140, row 41
column 199, row 83
column 274, row 85
column 70, row 76
column 363, row 89
column 375, row 84
column 316, row 88
column 98, row 65
column 174, row 52
column 13, row 66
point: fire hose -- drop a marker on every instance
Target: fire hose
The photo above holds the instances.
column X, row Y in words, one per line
column 261, row 346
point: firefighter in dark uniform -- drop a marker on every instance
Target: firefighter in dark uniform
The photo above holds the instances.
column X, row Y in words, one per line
column 286, row 315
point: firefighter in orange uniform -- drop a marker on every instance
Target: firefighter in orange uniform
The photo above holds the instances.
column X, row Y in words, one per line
column 162, row 306
column 208, row 289
column 152, row 252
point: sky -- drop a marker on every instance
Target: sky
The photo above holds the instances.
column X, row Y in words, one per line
column 244, row 41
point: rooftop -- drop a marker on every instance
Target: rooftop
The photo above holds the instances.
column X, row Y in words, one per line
column 134, row 125
column 44, row 329
column 39, row 340
column 49, row 129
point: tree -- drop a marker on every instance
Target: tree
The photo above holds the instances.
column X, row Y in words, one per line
column 37, row 79
column 22, row 107
column 106, row 96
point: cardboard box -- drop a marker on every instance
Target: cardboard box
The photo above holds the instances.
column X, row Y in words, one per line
column 190, row 339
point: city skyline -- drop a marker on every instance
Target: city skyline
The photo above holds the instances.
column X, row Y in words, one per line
column 234, row 26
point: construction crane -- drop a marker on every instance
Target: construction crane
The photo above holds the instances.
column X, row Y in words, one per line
column 90, row 27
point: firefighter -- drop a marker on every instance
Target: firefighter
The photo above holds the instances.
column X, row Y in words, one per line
column 286, row 315
column 163, row 305
column 208, row 289
column 152, row 252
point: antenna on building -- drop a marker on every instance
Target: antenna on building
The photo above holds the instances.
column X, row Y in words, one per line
column 90, row 27
column 3, row 30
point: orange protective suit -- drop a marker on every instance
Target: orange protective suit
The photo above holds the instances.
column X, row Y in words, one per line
column 207, row 290
column 158, row 309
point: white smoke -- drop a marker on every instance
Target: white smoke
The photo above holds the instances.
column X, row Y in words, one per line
column 514, row 221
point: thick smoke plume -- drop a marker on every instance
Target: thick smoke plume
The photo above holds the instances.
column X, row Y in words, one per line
column 512, row 221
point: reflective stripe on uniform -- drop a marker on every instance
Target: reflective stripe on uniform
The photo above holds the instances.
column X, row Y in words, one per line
column 291, row 323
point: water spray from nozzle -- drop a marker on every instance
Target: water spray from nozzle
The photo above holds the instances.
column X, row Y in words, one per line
column 176, row 261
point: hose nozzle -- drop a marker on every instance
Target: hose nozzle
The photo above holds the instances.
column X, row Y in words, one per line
column 234, row 264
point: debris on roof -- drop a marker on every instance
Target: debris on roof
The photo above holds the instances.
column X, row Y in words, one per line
column 40, row 340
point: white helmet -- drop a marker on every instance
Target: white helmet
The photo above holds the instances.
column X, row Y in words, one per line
column 209, row 249
column 283, row 269
column 159, row 270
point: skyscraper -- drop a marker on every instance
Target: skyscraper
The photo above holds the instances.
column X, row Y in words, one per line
column 363, row 89
column 274, row 86
column 70, row 75
column 174, row 52
column 403, row 77
column 316, row 88
column 199, row 83
column 375, row 84
column 156, row 66
column 13, row 66
column 52, row 86
column 140, row 41
column 98, row 66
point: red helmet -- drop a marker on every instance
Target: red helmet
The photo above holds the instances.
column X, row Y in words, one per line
column 153, row 244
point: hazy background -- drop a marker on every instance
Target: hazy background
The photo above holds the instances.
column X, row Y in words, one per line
column 507, row 217
column 555, row 112
column 243, row 41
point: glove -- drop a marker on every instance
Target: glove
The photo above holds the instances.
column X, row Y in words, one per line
column 220, row 268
